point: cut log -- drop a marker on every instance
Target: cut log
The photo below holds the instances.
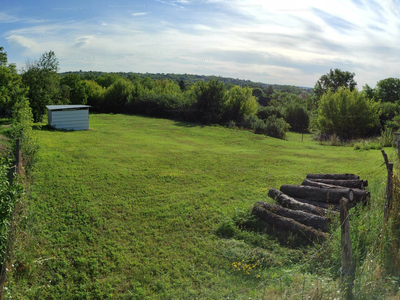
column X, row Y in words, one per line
column 317, row 222
column 359, row 195
column 292, row 203
column 333, row 176
column 327, row 206
column 288, row 224
column 329, row 195
column 351, row 183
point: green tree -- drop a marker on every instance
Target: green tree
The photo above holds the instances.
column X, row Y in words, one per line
column 240, row 102
column 94, row 93
column 348, row 114
column 107, row 80
column 297, row 116
column 182, row 85
column 77, row 93
column 388, row 90
column 3, row 57
column 44, row 84
column 333, row 81
column 116, row 95
column 210, row 98
column 12, row 89
column 369, row 92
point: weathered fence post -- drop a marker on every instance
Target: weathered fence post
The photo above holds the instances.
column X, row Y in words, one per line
column 389, row 186
column 348, row 267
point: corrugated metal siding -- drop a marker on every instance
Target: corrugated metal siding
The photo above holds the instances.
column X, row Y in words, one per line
column 70, row 119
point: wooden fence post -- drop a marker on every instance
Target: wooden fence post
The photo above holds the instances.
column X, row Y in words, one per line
column 348, row 267
column 389, row 186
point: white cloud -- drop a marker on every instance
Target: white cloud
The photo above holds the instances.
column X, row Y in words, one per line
column 140, row 14
column 277, row 42
column 18, row 41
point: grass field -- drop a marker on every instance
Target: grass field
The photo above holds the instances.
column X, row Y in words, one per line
column 131, row 209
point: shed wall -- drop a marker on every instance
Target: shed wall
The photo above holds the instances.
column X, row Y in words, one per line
column 70, row 119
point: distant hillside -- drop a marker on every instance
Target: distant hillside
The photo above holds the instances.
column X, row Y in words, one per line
column 191, row 78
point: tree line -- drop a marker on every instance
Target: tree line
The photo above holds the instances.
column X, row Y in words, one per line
column 335, row 105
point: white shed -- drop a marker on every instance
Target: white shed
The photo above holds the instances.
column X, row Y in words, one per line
column 69, row 117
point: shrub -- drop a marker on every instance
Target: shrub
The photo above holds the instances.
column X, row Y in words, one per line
column 209, row 99
column 116, row 95
column 347, row 114
column 297, row 117
column 266, row 112
column 386, row 138
column 240, row 103
column 276, row 127
column 22, row 128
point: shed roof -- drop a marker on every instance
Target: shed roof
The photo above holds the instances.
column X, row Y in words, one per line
column 66, row 107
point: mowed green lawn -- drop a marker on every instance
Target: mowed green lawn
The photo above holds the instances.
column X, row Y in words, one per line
column 130, row 208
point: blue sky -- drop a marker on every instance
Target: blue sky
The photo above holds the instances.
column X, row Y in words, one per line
column 283, row 42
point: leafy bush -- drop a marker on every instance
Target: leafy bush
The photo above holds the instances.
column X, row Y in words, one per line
column 22, row 128
column 265, row 112
column 209, row 99
column 95, row 94
column 116, row 95
column 240, row 103
column 297, row 116
column 9, row 195
column 386, row 139
column 276, row 127
column 347, row 114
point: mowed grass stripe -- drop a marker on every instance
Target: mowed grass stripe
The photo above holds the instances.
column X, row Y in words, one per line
column 130, row 208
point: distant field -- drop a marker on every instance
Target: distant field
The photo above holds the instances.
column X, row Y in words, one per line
column 130, row 208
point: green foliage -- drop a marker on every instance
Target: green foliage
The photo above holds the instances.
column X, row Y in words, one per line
column 9, row 194
column 386, row 138
column 388, row 111
column 107, row 80
column 209, row 98
column 182, row 85
column 240, row 102
column 11, row 87
column 77, row 88
column 276, row 127
column 265, row 112
column 333, row 81
column 95, row 94
column 388, row 90
column 297, row 116
column 44, row 84
column 347, row 114
column 21, row 127
column 117, row 94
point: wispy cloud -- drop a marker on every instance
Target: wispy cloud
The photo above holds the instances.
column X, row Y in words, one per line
column 273, row 42
column 140, row 14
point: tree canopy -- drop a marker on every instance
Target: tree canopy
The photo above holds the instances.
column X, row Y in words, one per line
column 388, row 90
column 334, row 80
column 44, row 84
column 346, row 113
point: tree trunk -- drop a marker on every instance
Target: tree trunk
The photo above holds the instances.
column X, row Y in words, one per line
column 328, row 195
column 359, row 195
column 327, row 206
column 351, row 183
column 288, row 224
column 292, row 203
column 333, row 176
column 317, row 222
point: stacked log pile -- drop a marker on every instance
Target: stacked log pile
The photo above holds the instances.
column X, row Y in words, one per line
column 308, row 208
